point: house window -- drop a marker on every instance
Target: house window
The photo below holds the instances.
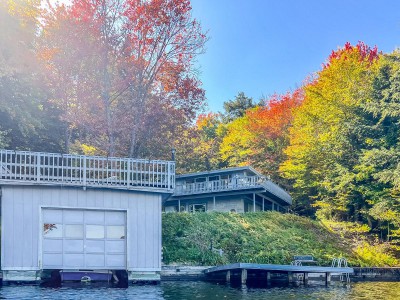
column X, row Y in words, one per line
column 197, row 207
column 200, row 179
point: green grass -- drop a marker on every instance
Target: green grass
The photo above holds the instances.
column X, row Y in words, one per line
column 263, row 237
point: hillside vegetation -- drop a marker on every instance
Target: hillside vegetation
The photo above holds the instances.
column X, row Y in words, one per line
column 263, row 237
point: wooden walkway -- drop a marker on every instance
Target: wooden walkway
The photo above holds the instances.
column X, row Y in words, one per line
column 244, row 268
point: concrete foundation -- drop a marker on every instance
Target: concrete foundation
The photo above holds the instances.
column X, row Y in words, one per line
column 134, row 276
column 21, row 276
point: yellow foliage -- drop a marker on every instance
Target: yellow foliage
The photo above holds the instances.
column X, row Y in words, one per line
column 320, row 136
column 26, row 9
column 375, row 255
column 235, row 146
column 88, row 150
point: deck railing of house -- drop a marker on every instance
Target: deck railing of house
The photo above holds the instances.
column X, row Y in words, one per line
column 235, row 183
column 219, row 185
column 86, row 171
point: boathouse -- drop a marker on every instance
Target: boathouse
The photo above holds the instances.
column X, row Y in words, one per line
column 76, row 212
column 240, row 189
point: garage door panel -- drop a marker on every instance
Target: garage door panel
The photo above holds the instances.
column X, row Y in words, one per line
column 52, row 260
column 114, row 218
column 74, row 231
column 94, row 217
column 115, row 232
column 73, row 246
column 94, row 232
column 73, row 260
column 116, row 261
column 73, row 216
column 52, row 216
column 115, row 246
column 95, row 260
column 94, row 246
column 53, row 245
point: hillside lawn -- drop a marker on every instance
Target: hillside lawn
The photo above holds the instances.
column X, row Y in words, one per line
column 264, row 237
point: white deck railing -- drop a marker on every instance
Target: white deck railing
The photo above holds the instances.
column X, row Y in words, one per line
column 233, row 184
column 86, row 171
column 219, row 185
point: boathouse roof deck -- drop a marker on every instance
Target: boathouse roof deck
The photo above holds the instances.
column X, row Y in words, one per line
column 234, row 183
column 40, row 168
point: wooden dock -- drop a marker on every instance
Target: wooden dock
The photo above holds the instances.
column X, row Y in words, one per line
column 265, row 271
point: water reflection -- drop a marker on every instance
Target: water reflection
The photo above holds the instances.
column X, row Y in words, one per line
column 202, row 290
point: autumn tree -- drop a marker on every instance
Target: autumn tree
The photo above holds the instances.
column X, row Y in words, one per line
column 329, row 133
column 162, row 41
column 132, row 84
column 198, row 148
column 259, row 137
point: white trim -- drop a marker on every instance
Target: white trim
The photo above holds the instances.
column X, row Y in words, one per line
column 40, row 239
column 159, row 244
column 128, row 236
column 81, row 208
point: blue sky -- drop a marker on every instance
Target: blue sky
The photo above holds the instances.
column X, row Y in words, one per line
column 261, row 47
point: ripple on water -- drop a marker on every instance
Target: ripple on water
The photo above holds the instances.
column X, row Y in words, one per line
column 202, row 290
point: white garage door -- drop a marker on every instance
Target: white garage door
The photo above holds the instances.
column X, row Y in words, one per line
column 83, row 239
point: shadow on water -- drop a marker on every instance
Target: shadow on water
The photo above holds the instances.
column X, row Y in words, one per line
column 54, row 281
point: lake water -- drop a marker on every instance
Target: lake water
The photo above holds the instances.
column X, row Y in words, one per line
column 203, row 290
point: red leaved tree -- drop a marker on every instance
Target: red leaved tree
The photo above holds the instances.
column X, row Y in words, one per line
column 122, row 71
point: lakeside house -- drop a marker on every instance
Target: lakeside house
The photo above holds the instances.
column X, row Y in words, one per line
column 75, row 212
column 240, row 189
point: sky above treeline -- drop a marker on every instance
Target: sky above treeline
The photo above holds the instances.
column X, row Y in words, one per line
column 262, row 47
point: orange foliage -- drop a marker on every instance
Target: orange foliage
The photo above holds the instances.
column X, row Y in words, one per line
column 273, row 119
column 205, row 120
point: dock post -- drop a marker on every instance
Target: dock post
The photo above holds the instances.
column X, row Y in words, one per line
column 268, row 278
column 244, row 276
column 327, row 278
column 228, row 276
column 305, row 278
column 290, row 277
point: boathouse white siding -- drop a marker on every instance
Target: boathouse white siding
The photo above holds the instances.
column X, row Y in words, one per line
column 62, row 211
column 22, row 226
